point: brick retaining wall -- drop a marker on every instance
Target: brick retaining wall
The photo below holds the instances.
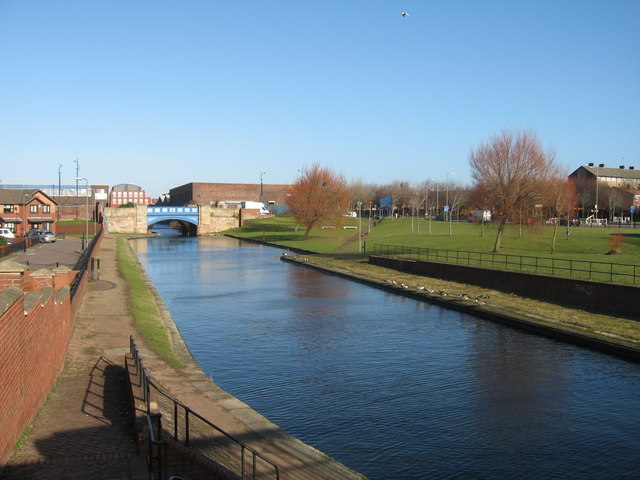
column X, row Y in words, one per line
column 37, row 316
column 603, row 297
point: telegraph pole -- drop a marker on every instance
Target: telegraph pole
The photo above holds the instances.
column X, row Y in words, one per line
column 77, row 176
column 59, row 188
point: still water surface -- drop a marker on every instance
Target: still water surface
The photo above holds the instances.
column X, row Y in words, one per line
column 395, row 388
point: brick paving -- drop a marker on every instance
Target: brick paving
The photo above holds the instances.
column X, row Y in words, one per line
column 85, row 428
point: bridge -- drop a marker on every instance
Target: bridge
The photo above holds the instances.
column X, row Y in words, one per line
column 165, row 214
column 193, row 220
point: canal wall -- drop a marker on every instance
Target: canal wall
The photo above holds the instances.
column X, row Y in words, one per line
column 36, row 324
column 584, row 294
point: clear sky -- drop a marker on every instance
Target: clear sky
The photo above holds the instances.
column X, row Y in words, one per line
column 161, row 93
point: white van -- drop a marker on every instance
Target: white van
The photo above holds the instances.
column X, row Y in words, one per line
column 6, row 233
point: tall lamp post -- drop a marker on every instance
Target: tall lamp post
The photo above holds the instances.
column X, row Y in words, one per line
column 24, row 212
column 596, row 206
column 86, row 209
column 427, row 201
column 449, row 206
column 359, row 227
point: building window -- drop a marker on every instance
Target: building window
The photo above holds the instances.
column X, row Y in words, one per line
column 8, row 208
column 46, row 209
column 33, row 208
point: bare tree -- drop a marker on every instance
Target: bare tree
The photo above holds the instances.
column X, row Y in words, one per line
column 561, row 198
column 509, row 171
column 457, row 197
column 318, row 195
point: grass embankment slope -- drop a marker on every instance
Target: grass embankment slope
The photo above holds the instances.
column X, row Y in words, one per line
column 146, row 317
column 339, row 249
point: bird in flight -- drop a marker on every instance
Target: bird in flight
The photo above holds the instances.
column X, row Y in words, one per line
column 404, row 14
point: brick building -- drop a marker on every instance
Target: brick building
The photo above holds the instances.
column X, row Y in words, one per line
column 22, row 210
column 606, row 191
column 72, row 200
column 124, row 193
column 225, row 194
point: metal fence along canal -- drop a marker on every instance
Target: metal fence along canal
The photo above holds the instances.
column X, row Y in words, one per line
column 560, row 267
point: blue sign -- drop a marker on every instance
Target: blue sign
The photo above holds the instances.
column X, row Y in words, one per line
column 446, row 208
column 385, row 201
column 633, row 208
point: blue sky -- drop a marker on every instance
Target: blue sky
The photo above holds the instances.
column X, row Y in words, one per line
column 161, row 93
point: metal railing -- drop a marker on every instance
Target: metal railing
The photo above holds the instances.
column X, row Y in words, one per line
column 84, row 262
column 557, row 267
column 18, row 245
column 196, row 432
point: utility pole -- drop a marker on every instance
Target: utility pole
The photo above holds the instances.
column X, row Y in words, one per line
column 59, row 180
column 261, row 186
column 77, row 176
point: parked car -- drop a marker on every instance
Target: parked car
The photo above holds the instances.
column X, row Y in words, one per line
column 47, row 237
column 6, row 233
column 35, row 234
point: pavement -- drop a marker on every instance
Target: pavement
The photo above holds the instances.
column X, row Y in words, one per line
column 85, row 428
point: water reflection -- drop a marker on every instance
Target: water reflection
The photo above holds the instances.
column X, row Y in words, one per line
column 395, row 388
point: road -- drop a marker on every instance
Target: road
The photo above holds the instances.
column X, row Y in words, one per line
column 64, row 251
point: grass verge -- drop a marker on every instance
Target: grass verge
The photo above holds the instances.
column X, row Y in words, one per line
column 147, row 318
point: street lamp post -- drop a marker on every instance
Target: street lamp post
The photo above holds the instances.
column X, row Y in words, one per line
column 86, row 210
column 449, row 206
column 24, row 212
column 359, row 227
column 261, row 186
column 427, row 205
column 596, row 206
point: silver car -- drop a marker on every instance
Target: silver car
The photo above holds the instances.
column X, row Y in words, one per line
column 47, row 237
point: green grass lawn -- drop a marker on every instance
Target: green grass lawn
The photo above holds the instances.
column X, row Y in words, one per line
column 584, row 243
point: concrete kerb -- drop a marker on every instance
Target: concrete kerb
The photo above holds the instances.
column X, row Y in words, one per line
column 193, row 374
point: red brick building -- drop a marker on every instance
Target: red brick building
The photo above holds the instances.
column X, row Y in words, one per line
column 124, row 193
column 22, row 210
column 221, row 194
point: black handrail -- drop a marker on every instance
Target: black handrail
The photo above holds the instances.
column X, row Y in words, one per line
column 148, row 384
column 82, row 264
column 558, row 267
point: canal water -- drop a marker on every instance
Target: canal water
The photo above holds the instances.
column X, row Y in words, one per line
column 392, row 387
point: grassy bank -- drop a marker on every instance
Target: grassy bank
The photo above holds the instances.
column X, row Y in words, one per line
column 145, row 313
column 583, row 243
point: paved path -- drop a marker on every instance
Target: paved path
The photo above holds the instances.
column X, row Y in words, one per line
column 84, row 430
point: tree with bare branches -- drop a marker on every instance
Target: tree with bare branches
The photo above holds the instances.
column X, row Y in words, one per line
column 318, row 196
column 561, row 198
column 509, row 172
